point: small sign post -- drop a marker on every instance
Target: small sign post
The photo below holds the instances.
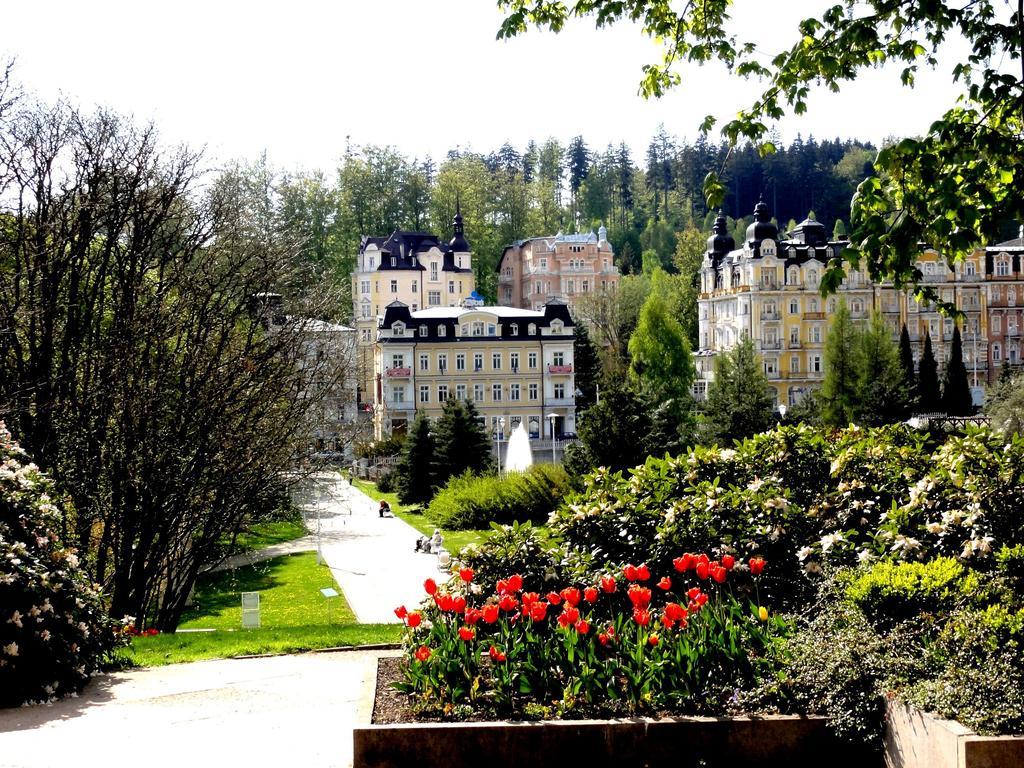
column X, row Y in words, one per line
column 250, row 610
column 328, row 593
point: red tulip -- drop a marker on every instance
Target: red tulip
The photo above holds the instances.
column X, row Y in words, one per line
column 413, row 619
column 466, row 574
column 489, row 613
column 582, row 627
column 653, row 639
column 639, row 596
column 572, row 614
column 756, row 565
column 444, row 601
column 466, row 633
column 496, row 655
column 508, row 603
column 554, row 598
column 422, row 653
column 458, row 604
column 719, row 574
column 665, row 583
column 401, row 612
column 472, row 616
column 702, row 558
column 563, row 621
column 703, row 570
column 692, row 592
column 590, row 594
column 515, row 582
column 666, row 621
column 675, row 611
column 529, row 598
column 503, row 587
column 642, row 616
column 684, row 563
column 430, row 585
column 538, row 610
column 571, row 595
column 602, row 638
column 702, row 599
column 608, row 584
column 642, row 573
column 728, row 561
column 630, row 572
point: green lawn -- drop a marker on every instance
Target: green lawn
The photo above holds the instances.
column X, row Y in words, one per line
column 289, row 590
column 269, row 533
column 196, row 646
column 413, row 515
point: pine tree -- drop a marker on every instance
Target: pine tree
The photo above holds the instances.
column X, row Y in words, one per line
column 661, row 363
column 839, row 388
column 956, row 392
column 739, row 402
column 881, row 392
column 416, row 471
column 462, row 442
column 928, row 378
column 907, row 364
column 586, row 367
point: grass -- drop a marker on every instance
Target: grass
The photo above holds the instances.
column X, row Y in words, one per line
column 289, row 588
column 197, row 646
column 413, row 515
column 268, row 533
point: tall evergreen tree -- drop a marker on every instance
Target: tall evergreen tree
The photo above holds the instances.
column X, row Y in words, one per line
column 462, row 442
column 928, row 378
column 839, row 388
column 881, row 393
column 956, row 392
column 661, row 363
column 586, row 367
column 416, row 471
column 739, row 403
column 907, row 365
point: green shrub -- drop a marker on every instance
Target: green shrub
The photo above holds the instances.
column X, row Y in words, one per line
column 516, row 548
column 386, row 482
column 378, row 449
column 53, row 630
column 891, row 592
column 1010, row 561
column 475, row 501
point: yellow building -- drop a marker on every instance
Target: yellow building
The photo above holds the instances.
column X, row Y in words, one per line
column 414, row 268
column 769, row 289
column 516, row 365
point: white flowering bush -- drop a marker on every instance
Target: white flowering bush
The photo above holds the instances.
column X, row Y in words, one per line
column 53, row 630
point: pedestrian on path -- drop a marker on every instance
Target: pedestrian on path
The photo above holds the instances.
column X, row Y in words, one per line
column 384, row 507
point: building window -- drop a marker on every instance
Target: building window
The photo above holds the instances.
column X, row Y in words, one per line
column 460, row 391
column 442, row 362
column 997, row 324
column 398, row 361
column 478, row 392
column 586, row 286
column 533, row 391
column 559, row 391
column 496, row 361
column 969, row 269
column 543, row 263
column 1002, row 268
column 997, row 353
column 514, row 329
column 816, row 364
column 398, row 329
column 794, row 364
column 442, row 392
column 513, row 360
column 364, row 286
column 531, row 360
column 424, row 362
column 513, row 392
column 424, row 393
column 478, row 329
column 460, row 362
column 558, row 358
column 441, row 331
column 478, row 361
column 451, row 286
column 415, row 286
column 394, row 286
column 434, row 298
column 492, row 329
column 794, row 307
column 398, row 394
column 532, row 329
column 423, row 330
column 433, row 271
column 496, row 392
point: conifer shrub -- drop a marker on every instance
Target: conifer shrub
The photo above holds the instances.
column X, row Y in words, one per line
column 475, row 501
column 54, row 633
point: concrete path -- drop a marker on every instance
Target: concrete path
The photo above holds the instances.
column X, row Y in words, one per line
column 280, row 711
column 373, row 559
column 304, row 544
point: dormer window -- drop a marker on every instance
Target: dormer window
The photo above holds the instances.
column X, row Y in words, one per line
column 423, row 331
column 492, row 329
column 441, row 330
column 478, row 328
column 514, row 329
column 556, row 327
column 398, row 329
column 394, row 261
column 532, row 329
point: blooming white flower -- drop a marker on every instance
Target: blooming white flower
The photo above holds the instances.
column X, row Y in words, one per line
column 728, row 454
column 11, row 649
column 935, row 527
column 803, row 553
column 15, row 619
column 865, row 556
column 829, row 540
column 812, row 567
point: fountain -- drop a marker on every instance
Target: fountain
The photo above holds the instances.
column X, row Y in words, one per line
column 519, row 456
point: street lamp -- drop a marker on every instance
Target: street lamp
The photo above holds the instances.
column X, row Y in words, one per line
column 551, row 418
column 782, row 411
column 498, row 433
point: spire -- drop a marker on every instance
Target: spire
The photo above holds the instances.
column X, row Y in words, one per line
column 458, row 243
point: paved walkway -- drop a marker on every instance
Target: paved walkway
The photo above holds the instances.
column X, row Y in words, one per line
column 373, row 559
column 280, row 711
column 304, row 544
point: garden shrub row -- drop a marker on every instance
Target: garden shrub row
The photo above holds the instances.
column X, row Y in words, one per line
column 475, row 501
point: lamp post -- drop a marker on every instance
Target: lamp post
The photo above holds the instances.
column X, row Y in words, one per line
column 498, row 433
column 551, row 418
column 782, row 411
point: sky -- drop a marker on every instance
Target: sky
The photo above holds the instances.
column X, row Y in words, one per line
column 300, row 79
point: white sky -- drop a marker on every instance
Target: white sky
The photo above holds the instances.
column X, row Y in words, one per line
column 296, row 78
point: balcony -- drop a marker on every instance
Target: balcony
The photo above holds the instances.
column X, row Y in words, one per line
column 771, row 316
column 794, row 344
column 771, row 344
column 891, row 309
column 401, row 405
column 504, row 279
column 556, row 402
column 398, row 373
column 814, row 315
column 562, row 369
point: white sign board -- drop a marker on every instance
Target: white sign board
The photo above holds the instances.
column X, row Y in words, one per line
column 329, row 592
column 250, row 610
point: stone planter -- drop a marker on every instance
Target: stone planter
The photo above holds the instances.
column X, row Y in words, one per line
column 740, row 742
column 916, row 739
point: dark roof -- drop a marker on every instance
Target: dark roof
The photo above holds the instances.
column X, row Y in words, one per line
column 449, row 317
